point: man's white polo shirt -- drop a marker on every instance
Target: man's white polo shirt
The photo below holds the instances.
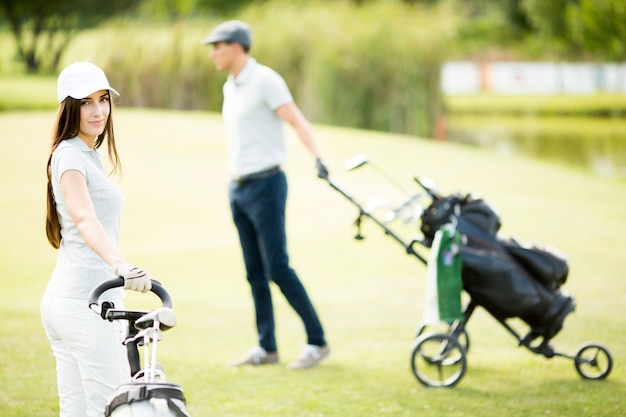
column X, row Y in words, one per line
column 256, row 139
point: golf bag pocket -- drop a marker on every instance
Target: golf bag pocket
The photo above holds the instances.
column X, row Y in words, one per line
column 481, row 214
column 548, row 266
column 150, row 399
column 495, row 281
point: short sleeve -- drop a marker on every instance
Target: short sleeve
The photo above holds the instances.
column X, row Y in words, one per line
column 68, row 159
column 275, row 90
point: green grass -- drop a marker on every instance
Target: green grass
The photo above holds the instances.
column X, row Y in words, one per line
column 33, row 92
column 369, row 294
column 27, row 92
column 568, row 105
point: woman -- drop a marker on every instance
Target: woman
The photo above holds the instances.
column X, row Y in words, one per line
column 83, row 217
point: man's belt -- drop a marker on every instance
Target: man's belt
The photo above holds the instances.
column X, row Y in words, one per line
column 255, row 176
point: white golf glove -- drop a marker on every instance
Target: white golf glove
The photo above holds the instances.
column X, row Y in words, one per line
column 135, row 278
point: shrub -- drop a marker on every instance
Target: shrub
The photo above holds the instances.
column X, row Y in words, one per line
column 374, row 66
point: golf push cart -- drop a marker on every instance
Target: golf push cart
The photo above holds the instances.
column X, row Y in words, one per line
column 506, row 278
column 148, row 394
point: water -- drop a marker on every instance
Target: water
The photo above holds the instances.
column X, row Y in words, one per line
column 597, row 145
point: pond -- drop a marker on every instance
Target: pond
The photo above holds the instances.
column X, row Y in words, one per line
column 593, row 144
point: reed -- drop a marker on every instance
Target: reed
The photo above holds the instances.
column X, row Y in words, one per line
column 374, row 66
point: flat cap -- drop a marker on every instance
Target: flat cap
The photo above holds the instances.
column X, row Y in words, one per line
column 230, row 31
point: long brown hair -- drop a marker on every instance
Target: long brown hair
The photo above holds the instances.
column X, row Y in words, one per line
column 67, row 126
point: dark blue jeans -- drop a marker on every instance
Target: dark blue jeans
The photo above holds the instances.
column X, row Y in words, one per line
column 258, row 210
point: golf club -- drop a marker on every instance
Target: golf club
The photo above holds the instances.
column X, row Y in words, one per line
column 361, row 159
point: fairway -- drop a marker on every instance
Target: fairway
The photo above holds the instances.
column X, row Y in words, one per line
column 369, row 293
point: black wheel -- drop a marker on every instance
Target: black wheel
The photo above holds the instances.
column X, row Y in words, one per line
column 438, row 360
column 451, row 329
column 593, row 361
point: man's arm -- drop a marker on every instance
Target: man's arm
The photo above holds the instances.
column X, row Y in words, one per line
column 291, row 114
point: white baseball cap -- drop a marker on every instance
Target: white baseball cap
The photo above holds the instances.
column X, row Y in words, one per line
column 80, row 79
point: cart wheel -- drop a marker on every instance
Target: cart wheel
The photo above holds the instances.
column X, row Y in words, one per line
column 593, row 361
column 438, row 360
column 461, row 336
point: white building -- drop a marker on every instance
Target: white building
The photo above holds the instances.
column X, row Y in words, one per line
column 532, row 78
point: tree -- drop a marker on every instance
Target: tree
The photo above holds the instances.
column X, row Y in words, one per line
column 177, row 9
column 598, row 26
column 580, row 27
column 42, row 29
column 225, row 7
column 551, row 24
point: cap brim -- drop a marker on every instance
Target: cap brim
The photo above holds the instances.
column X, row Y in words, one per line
column 90, row 89
column 211, row 39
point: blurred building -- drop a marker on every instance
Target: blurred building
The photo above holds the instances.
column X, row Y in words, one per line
column 532, row 78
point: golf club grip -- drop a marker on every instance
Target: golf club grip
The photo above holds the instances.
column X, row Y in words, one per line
column 430, row 192
column 119, row 282
column 134, row 361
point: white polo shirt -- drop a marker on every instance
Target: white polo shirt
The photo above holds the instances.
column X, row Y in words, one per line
column 256, row 139
column 79, row 269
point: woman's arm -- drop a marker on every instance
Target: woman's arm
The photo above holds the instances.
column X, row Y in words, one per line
column 83, row 213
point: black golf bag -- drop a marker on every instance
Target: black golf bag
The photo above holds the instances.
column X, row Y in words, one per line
column 508, row 279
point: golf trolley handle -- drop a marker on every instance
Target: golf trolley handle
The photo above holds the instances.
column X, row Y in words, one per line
column 119, row 282
column 407, row 246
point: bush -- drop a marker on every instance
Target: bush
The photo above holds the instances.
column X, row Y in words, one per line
column 374, row 66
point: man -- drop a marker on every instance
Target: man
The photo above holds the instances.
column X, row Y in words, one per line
column 256, row 102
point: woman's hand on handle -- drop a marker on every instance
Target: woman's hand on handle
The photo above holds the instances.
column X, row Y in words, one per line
column 135, row 278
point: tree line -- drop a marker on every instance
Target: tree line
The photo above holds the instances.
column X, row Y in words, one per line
column 372, row 64
column 532, row 29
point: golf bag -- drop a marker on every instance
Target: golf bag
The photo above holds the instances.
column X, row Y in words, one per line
column 148, row 394
column 506, row 278
column 158, row 399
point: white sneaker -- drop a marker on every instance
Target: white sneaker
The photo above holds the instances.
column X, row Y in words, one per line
column 311, row 356
column 257, row 356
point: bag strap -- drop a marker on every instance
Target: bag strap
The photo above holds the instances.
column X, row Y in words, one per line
column 143, row 393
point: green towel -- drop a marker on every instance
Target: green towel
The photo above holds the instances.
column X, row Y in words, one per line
column 443, row 277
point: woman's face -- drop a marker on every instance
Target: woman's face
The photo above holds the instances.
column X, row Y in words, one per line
column 94, row 114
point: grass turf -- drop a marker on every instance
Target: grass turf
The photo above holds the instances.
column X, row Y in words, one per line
column 27, row 92
column 548, row 105
column 369, row 293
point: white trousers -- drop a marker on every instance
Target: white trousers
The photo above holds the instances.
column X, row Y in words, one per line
column 91, row 361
